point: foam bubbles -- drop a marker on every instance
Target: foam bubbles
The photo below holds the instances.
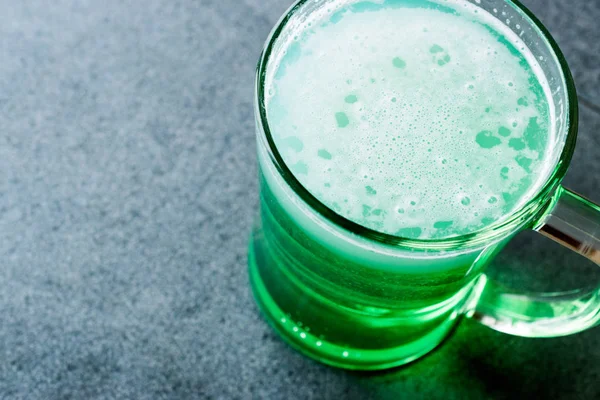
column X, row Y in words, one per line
column 411, row 121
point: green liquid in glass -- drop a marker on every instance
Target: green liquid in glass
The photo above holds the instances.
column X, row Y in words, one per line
column 411, row 117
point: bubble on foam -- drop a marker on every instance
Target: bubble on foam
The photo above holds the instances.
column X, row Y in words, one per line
column 504, row 131
column 294, row 143
column 324, row 154
column 300, row 168
column 370, row 191
column 342, row 119
column 443, row 224
column 351, row 99
column 399, row 63
column 524, row 162
column 487, row 140
column 517, row 144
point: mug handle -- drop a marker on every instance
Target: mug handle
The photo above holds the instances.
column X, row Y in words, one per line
column 574, row 222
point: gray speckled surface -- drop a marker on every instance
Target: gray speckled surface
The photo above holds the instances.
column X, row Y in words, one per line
column 127, row 190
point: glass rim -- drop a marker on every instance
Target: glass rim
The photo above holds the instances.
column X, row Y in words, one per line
column 491, row 233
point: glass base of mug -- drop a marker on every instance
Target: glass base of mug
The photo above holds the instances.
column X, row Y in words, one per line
column 332, row 354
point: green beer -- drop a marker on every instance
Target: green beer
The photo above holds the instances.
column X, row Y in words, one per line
column 424, row 120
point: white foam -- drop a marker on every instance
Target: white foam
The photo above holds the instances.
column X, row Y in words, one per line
column 378, row 115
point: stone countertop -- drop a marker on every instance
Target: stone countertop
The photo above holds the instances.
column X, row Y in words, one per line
column 127, row 191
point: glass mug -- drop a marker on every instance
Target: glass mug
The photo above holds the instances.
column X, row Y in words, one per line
column 333, row 289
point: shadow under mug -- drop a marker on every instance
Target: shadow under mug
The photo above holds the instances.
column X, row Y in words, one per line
column 356, row 298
